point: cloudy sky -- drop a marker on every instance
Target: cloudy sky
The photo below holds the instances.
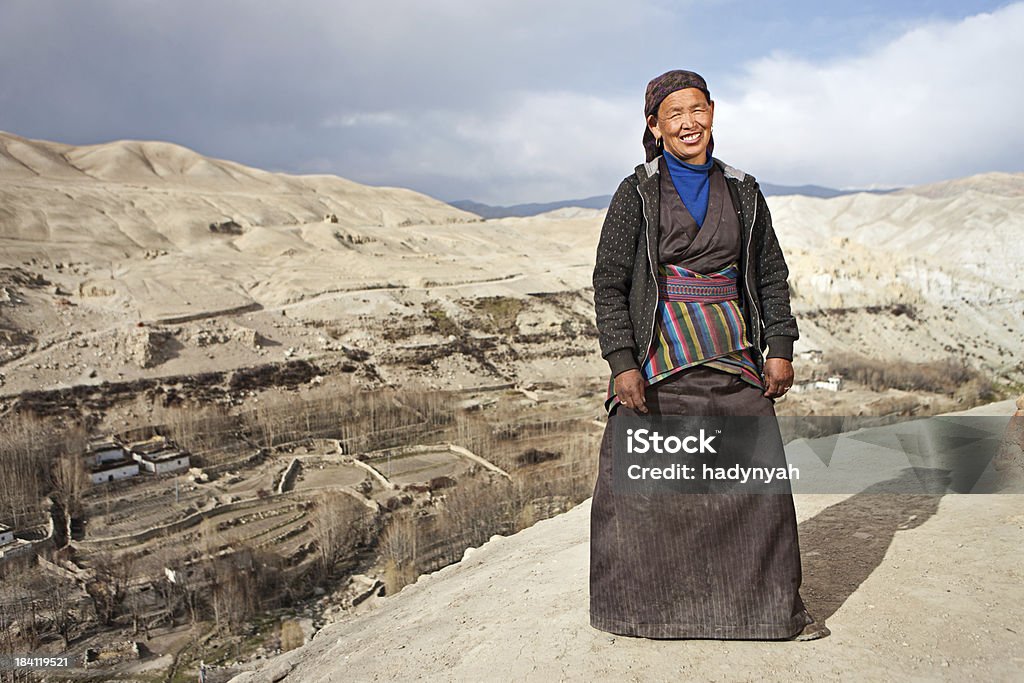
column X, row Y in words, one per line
column 507, row 101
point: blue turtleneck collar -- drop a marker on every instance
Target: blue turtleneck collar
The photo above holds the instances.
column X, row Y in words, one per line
column 692, row 182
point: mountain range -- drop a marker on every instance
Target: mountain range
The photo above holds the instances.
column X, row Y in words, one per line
column 602, row 201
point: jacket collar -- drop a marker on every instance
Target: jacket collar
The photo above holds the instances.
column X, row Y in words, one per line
column 648, row 183
column 647, row 175
column 648, row 170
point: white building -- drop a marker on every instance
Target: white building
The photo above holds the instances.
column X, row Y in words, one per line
column 810, row 355
column 113, row 470
column 6, row 534
column 833, row 383
column 166, row 461
column 159, row 455
column 100, row 451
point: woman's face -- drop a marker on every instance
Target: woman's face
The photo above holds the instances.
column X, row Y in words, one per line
column 683, row 123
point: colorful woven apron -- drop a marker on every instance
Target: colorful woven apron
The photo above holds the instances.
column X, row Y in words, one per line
column 698, row 321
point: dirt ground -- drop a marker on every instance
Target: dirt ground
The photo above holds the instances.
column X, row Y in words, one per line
column 913, row 588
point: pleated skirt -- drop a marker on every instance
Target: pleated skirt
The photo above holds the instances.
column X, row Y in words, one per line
column 724, row 566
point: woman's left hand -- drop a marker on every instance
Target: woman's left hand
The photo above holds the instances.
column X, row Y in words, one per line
column 778, row 375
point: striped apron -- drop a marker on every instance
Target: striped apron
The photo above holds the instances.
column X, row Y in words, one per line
column 698, row 321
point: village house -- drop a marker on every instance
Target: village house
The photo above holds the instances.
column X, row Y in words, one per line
column 113, row 470
column 159, row 455
column 833, row 383
column 108, row 461
column 810, row 356
column 12, row 548
column 104, row 450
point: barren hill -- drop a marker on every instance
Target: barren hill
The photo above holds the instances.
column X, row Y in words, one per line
column 135, row 259
column 120, row 200
column 912, row 276
column 996, row 183
column 99, row 239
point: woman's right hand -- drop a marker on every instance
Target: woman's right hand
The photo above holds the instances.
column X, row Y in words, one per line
column 629, row 387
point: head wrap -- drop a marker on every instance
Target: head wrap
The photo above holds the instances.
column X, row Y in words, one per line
column 660, row 88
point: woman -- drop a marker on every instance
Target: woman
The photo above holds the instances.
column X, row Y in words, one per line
column 689, row 289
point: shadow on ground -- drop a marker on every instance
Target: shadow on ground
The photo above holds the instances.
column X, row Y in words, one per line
column 844, row 543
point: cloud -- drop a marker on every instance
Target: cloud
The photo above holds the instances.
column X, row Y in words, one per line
column 369, row 118
column 933, row 102
column 941, row 100
column 516, row 101
column 401, row 93
column 519, row 147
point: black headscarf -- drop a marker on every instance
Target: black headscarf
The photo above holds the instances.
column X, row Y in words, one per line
column 660, row 88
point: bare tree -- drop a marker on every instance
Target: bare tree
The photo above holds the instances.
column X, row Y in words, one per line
column 69, row 481
column 198, row 428
column 477, row 509
column 181, row 587
column 59, row 599
column 18, row 626
column 232, row 589
column 340, row 525
column 240, row 584
column 25, row 449
column 109, row 586
column 265, row 422
column 398, row 547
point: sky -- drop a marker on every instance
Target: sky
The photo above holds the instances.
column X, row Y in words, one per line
column 506, row 101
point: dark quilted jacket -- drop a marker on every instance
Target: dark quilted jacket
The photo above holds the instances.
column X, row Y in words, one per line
column 625, row 290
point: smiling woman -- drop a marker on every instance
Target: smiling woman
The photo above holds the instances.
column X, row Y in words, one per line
column 690, row 289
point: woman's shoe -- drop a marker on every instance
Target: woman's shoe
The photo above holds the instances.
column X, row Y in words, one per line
column 812, row 631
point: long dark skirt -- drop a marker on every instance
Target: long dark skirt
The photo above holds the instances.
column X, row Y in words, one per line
column 694, row 565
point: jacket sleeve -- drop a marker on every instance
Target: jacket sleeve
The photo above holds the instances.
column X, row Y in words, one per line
column 780, row 328
column 613, row 276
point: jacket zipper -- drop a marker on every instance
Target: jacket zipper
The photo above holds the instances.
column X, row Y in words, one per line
column 654, row 314
column 746, row 283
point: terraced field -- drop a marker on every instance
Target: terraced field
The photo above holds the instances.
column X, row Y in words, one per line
column 413, row 468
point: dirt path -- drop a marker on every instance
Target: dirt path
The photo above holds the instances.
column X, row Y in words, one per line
column 342, row 293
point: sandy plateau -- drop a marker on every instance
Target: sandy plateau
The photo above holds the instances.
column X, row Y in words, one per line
column 144, row 259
